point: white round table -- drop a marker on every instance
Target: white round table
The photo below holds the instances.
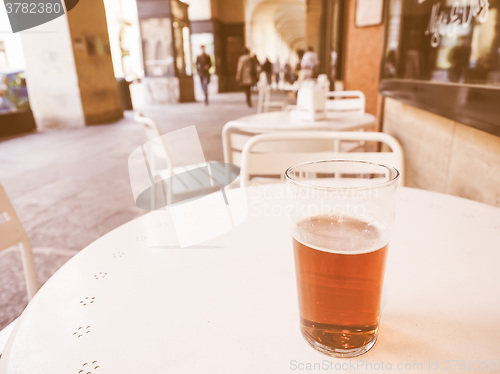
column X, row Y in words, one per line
column 132, row 302
column 283, row 120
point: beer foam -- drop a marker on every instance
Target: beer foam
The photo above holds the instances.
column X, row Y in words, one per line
column 340, row 234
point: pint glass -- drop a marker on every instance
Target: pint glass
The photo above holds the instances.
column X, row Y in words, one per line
column 342, row 214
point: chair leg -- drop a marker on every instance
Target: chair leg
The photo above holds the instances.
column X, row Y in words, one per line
column 267, row 99
column 260, row 99
column 29, row 269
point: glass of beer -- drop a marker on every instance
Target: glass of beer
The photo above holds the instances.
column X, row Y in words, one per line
column 342, row 214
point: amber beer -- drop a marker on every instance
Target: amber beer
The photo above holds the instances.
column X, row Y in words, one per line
column 342, row 214
column 340, row 269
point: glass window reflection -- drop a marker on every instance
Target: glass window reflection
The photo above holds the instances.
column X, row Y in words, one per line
column 450, row 41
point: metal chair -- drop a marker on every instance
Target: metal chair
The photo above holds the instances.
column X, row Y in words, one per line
column 323, row 82
column 150, row 126
column 13, row 234
column 234, row 138
column 236, row 134
column 258, row 166
column 170, row 181
column 345, row 102
column 264, row 102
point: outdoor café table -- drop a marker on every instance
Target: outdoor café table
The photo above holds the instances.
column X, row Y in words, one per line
column 129, row 303
column 283, row 120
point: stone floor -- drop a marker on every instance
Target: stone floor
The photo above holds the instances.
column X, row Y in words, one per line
column 71, row 186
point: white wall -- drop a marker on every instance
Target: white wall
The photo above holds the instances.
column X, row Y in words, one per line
column 51, row 75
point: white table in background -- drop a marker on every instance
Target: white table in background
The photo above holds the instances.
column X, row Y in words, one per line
column 132, row 303
column 282, row 120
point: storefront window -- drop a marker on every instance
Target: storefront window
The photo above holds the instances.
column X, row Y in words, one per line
column 444, row 41
column 13, row 91
column 444, row 56
column 157, row 47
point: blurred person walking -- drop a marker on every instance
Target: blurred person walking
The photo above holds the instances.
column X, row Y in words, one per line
column 267, row 68
column 309, row 64
column 289, row 74
column 277, row 71
column 203, row 65
column 246, row 74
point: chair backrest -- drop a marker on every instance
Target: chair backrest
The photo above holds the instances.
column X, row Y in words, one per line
column 158, row 155
column 234, row 138
column 12, row 233
column 153, row 131
column 264, row 102
column 258, row 164
column 323, row 82
column 150, row 126
column 345, row 101
column 263, row 89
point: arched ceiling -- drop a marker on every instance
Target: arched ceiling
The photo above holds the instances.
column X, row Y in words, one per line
column 290, row 23
column 288, row 18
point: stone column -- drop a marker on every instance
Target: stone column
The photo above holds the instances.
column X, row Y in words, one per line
column 69, row 71
column 313, row 22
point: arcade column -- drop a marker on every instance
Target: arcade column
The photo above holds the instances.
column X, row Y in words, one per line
column 314, row 26
column 69, row 71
